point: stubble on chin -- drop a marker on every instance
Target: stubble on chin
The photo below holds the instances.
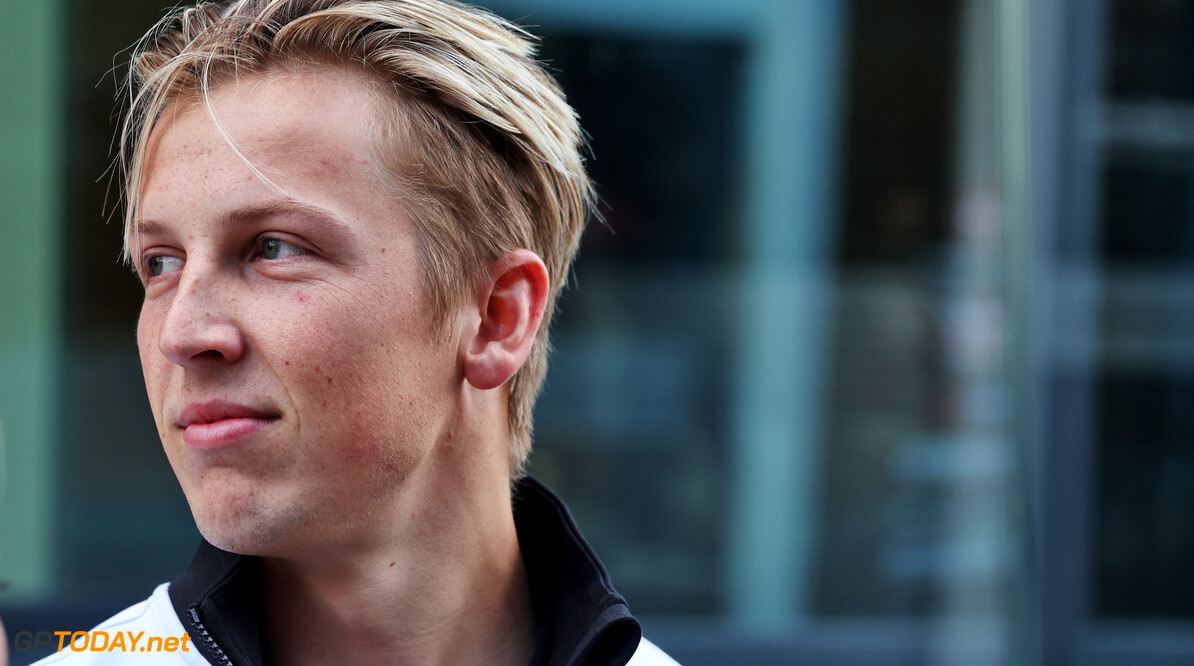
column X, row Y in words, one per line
column 249, row 527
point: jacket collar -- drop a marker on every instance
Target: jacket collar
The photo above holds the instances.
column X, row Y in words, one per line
column 581, row 620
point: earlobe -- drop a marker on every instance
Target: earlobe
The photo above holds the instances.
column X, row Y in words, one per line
column 510, row 303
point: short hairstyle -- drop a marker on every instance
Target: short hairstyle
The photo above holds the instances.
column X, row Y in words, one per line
column 478, row 139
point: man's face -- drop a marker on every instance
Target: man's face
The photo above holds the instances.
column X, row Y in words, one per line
column 288, row 352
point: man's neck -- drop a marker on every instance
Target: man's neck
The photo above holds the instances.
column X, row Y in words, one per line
column 450, row 588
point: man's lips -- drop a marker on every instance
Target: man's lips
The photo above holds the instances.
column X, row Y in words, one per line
column 218, row 423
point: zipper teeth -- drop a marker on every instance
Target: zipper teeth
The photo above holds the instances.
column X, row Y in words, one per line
column 208, row 640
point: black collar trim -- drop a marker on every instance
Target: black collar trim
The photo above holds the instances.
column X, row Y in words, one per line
column 580, row 617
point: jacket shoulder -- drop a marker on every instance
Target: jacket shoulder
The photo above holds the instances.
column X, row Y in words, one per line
column 135, row 635
column 648, row 654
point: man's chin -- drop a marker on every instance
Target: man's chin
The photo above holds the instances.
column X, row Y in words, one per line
column 257, row 532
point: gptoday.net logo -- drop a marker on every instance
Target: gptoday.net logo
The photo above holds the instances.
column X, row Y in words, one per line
column 99, row 641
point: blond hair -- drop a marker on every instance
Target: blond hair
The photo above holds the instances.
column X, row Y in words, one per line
column 479, row 140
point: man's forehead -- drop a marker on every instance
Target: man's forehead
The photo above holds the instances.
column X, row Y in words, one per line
column 280, row 128
column 272, row 121
column 279, row 103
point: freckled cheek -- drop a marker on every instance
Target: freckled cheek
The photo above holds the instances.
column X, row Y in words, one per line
column 144, row 326
column 155, row 367
column 363, row 454
column 360, row 406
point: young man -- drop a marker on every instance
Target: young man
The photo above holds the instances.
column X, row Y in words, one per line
column 352, row 220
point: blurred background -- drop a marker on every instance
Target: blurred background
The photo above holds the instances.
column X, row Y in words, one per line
column 884, row 355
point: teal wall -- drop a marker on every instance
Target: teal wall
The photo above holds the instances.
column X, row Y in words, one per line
column 31, row 93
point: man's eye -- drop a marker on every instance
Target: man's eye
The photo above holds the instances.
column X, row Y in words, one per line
column 160, row 263
column 272, row 248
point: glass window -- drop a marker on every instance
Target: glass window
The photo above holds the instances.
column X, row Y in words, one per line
column 1145, row 381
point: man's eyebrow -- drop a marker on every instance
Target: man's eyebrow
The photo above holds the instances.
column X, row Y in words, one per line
column 284, row 206
column 257, row 211
column 148, row 227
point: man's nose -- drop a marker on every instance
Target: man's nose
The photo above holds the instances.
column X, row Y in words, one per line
column 200, row 326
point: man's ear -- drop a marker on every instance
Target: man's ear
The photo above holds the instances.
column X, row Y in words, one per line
column 510, row 303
